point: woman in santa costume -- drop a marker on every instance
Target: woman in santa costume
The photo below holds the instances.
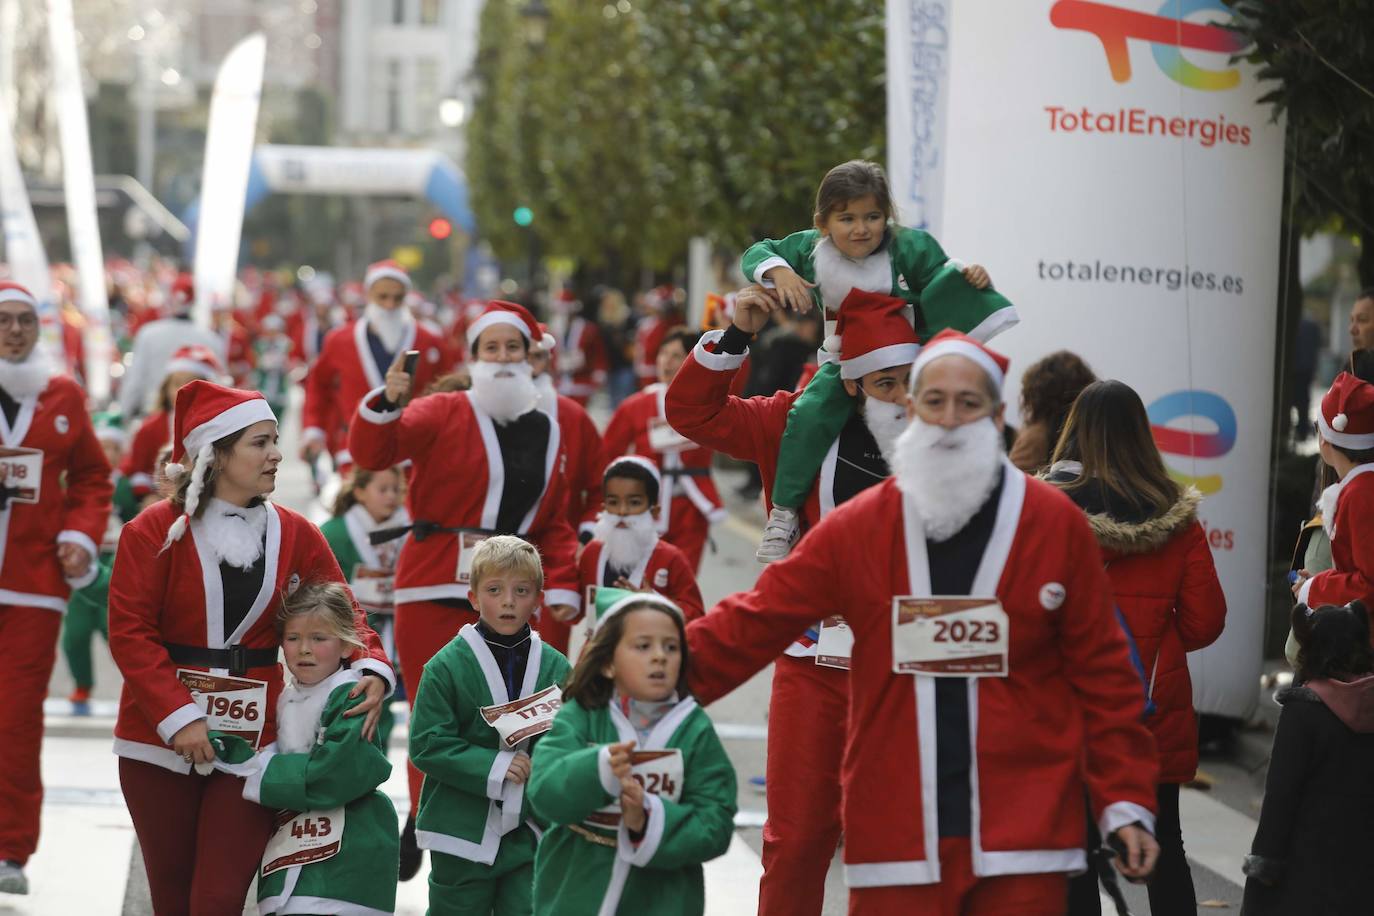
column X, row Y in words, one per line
column 1345, row 428
column 989, row 679
column 355, row 357
column 582, row 471
column 690, row 503
column 193, row 597
column 55, row 493
column 486, row 461
column 153, row 434
column 810, row 693
column 625, row 550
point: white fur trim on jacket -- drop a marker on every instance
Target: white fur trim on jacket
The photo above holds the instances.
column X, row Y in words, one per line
column 717, row 362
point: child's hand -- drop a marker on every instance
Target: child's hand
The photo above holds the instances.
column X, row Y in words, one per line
column 977, row 276
column 620, row 760
column 632, row 804
column 794, row 292
column 519, row 770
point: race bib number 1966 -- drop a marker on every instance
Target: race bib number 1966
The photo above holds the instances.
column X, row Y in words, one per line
column 233, row 705
column 949, row 637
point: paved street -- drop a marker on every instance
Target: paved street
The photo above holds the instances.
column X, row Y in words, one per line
column 88, row 861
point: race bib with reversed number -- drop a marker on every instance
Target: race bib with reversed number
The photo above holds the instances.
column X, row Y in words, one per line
column 661, row 773
column 303, row 838
column 233, row 705
column 526, row 717
column 21, row 472
column 835, row 643
column 949, row 636
column 467, row 546
column 374, row 588
column 664, row 439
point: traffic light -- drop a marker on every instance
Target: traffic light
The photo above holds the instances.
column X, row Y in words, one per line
column 523, row 216
column 440, row 228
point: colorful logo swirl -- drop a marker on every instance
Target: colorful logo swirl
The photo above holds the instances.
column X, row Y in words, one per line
column 1167, row 34
column 1187, row 443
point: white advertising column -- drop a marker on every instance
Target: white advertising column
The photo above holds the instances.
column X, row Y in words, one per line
column 1118, row 177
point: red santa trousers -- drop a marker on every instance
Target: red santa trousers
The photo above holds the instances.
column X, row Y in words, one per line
column 423, row 628
column 806, row 735
column 553, row 631
column 960, row 893
column 29, row 635
column 202, row 841
column 687, row 531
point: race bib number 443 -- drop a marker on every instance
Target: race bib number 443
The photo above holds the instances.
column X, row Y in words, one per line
column 303, row 838
column 949, row 636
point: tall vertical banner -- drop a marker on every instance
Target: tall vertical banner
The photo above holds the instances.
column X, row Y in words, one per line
column 224, row 182
column 78, row 187
column 23, row 251
column 917, row 107
column 1117, row 175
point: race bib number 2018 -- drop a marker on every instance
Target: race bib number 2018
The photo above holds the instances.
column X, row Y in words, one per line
column 21, row 472
column 949, row 636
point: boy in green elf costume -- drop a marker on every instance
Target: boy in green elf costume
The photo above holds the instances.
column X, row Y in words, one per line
column 483, row 701
column 856, row 245
column 336, row 845
column 632, row 776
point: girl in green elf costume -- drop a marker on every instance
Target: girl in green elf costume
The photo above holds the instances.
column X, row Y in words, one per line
column 336, row 845
column 632, row 775
column 856, row 244
column 484, row 699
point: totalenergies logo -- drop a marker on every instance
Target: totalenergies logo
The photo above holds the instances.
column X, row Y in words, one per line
column 1167, row 35
column 1186, row 443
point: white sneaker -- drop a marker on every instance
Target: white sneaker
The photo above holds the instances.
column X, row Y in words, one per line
column 781, row 532
column 12, row 880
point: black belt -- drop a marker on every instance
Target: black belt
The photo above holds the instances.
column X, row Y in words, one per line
column 236, row 658
column 686, row 472
column 421, row 529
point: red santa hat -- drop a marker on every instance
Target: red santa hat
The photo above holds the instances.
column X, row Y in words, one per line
column 953, row 343
column 13, row 292
column 198, row 360
column 204, row 414
column 874, row 334
column 183, row 288
column 517, row 316
column 638, row 461
column 1347, row 414
column 386, row 270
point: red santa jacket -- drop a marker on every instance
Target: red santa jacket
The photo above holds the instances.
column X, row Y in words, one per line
column 140, row 462
column 582, row 443
column 582, row 360
column 1068, row 713
column 345, row 371
column 635, row 426
column 1351, row 528
column 175, row 596
column 665, row 570
column 1166, row 587
column 70, row 504
column 699, row 404
column 457, row 483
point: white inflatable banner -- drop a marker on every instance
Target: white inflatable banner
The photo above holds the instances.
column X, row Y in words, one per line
column 338, row 170
column 78, row 187
column 224, row 181
column 917, row 106
column 1117, row 175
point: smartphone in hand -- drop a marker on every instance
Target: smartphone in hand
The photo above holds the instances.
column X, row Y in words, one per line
column 412, row 358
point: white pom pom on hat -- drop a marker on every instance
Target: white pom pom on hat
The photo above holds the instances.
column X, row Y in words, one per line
column 173, row 470
column 548, row 341
column 832, row 344
column 1339, row 422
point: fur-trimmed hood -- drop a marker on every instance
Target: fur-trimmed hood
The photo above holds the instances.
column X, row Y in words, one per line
column 1142, row 537
column 1351, row 701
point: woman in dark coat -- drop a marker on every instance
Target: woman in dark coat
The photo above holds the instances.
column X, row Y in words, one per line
column 1312, row 849
column 1165, row 585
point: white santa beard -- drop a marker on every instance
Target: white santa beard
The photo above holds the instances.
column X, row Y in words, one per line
column 390, row 326
column 503, row 391
column 298, row 716
column 548, row 395
column 234, row 534
column 625, row 548
column 947, row 474
column 886, row 422
column 27, row 377
column 837, row 275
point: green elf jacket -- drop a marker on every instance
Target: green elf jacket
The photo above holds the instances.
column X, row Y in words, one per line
column 340, row 770
column 920, row 273
column 466, row 804
column 571, row 779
